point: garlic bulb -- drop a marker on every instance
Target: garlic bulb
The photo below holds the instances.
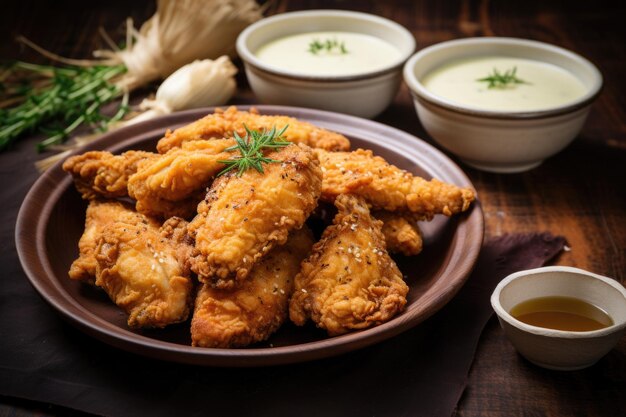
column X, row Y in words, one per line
column 180, row 32
column 199, row 84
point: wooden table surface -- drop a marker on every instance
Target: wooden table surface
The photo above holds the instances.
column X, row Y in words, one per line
column 580, row 193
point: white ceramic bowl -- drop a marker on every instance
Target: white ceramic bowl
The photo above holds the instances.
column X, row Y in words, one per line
column 500, row 141
column 364, row 95
column 557, row 349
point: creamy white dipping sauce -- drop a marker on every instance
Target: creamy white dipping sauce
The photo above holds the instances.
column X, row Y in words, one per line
column 362, row 53
column 545, row 85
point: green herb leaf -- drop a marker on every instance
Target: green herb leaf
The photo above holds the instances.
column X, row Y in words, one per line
column 329, row 46
column 251, row 149
column 502, row 80
column 36, row 97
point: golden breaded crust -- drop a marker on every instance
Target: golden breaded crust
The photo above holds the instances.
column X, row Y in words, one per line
column 102, row 174
column 174, row 183
column 258, row 306
column 223, row 123
column 388, row 187
column 349, row 281
column 402, row 234
column 140, row 268
column 100, row 213
column 244, row 217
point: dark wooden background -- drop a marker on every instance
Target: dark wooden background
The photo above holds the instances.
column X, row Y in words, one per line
column 580, row 193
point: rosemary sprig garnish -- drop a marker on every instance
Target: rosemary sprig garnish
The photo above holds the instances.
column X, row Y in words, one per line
column 329, row 45
column 251, row 149
column 502, row 80
column 41, row 97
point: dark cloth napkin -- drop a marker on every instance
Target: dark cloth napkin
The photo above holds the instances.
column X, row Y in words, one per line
column 420, row 372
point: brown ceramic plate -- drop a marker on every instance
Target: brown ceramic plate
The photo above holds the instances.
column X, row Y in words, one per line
column 52, row 217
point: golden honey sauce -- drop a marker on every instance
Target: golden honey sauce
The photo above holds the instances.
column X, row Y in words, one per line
column 561, row 313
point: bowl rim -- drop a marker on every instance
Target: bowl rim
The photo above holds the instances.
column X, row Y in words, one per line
column 250, row 59
column 542, row 331
column 420, row 92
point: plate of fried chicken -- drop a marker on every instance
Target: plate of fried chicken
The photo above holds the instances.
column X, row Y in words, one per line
column 250, row 236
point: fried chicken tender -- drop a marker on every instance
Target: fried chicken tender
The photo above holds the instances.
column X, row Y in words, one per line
column 144, row 270
column 244, row 217
column 174, row 183
column 164, row 185
column 222, row 123
column 349, row 281
column 100, row 213
column 402, row 234
column 102, row 174
column 258, row 307
column 388, row 187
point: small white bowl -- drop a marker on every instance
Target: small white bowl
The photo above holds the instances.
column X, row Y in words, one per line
column 364, row 95
column 500, row 141
column 558, row 349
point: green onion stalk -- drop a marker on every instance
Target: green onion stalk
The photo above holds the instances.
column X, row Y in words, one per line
column 57, row 100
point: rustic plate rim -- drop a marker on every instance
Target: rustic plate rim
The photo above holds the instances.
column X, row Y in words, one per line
column 30, row 244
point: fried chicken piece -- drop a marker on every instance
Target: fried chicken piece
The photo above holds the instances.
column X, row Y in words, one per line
column 174, row 183
column 165, row 209
column 258, row 307
column 244, row 217
column 144, row 270
column 102, row 174
column 99, row 214
column 163, row 185
column 222, row 123
column 175, row 230
column 402, row 234
column 349, row 281
column 388, row 187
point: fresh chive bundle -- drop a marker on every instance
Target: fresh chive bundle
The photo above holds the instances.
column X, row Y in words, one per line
column 35, row 98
